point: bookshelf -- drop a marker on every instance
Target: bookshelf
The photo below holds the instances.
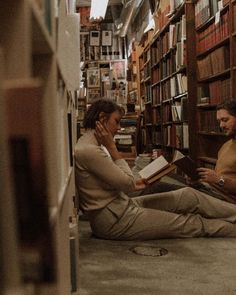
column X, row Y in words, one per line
column 132, row 77
column 215, row 50
column 169, row 96
column 38, row 123
column 81, row 110
column 144, row 90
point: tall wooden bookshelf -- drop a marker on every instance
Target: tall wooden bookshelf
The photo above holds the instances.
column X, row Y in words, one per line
column 215, row 49
column 38, row 131
column 132, row 97
column 169, row 88
column 144, row 90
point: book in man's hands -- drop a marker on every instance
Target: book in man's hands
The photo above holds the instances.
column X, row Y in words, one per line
column 161, row 167
column 186, row 164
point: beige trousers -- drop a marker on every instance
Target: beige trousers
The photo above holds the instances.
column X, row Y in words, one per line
column 177, row 214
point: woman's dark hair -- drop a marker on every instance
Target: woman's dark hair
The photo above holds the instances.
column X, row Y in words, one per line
column 106, row 106
column 228, row 105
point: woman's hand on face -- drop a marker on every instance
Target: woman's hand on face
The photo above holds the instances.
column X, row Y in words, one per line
column 103, row 135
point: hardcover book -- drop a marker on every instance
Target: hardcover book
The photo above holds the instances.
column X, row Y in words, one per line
column 161, row 167
column 156, row 170
column 186, row 164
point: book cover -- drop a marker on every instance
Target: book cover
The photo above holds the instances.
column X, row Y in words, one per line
column 186, row 164
column 161, row 167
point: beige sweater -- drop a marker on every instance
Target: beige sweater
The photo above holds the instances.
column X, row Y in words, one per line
column 226, row 166
column 99, row 179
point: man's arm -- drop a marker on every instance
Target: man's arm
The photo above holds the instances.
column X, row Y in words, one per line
column 211, row 177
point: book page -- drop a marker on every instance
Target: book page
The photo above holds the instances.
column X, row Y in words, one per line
column 162, row 173
column 177, row 155
column 154, row 167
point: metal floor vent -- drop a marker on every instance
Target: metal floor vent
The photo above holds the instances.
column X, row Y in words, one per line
column 149, row 251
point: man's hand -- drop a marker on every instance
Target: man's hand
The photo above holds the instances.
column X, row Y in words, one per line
column 208, row 175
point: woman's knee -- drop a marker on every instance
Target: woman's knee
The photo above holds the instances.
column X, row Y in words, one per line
column 187, row 199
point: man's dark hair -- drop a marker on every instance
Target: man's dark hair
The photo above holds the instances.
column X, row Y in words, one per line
column 106, row 106
column 228, row 105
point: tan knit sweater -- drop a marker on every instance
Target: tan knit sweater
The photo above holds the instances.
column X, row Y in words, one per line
column 99, row 179
column 226, row 166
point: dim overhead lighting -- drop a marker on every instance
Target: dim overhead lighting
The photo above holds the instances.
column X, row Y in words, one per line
column 98, row 10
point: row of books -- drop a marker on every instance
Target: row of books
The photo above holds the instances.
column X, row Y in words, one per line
column 208, row 122
column 174, row 61
column 205, row 9
column 176, row 136
column 123, row 139
column 155, row 74
column 175, row 38
column 147, row 92
column 131, row 72
column 176, row 111
column 176, row 33
column 156, row 95
column 213, row 34
column 146, row 56
column 214, row 92
column 181, row 54
column 234, row 17
column 214, row 63
column 163, row 16
column 156, row 137
column 155, row 53
column 147, row 70
column 174, row 86
column 156, row 115
column 127, row 122
column 168, row 65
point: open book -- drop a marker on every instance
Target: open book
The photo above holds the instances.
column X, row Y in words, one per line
column 156, row 169
column 161, row 167
column 186, row 164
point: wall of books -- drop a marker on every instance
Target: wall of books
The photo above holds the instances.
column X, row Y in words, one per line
column 215, row 51
column 186, row 68
column 103, row 57
column 164, row 83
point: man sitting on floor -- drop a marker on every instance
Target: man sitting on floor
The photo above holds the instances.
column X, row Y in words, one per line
column 221, row 182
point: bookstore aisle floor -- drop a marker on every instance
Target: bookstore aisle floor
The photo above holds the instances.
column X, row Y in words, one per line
column 189, row 266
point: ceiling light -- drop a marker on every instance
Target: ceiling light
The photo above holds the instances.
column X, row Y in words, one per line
column 98, row 9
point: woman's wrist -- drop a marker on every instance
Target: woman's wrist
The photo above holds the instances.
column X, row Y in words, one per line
column 112, row 149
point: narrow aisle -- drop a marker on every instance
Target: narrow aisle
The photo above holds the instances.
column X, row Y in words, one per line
column 192, row 266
